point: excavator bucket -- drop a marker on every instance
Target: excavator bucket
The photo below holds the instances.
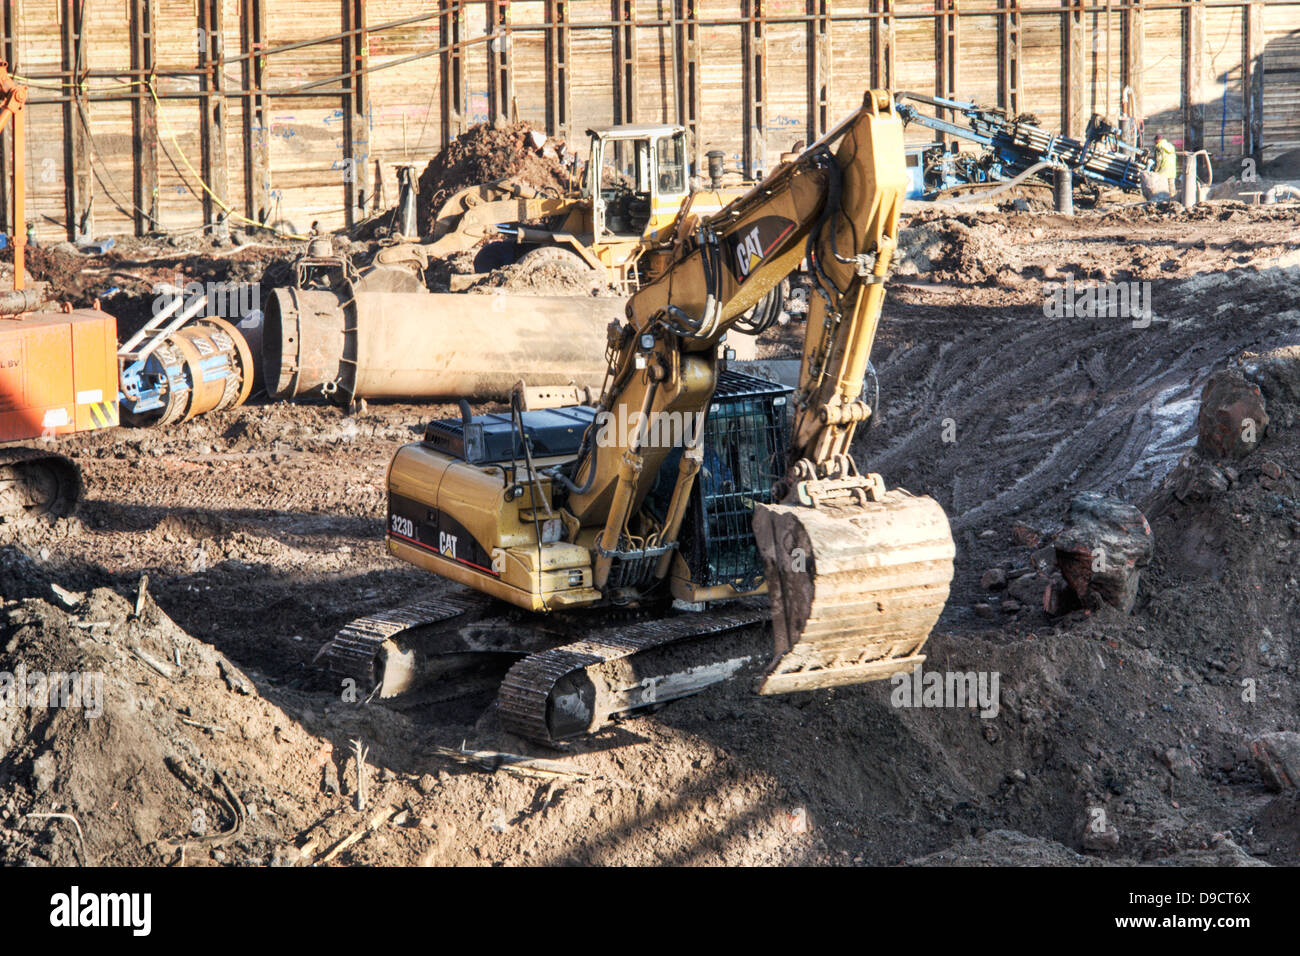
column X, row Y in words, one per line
column 855, row 588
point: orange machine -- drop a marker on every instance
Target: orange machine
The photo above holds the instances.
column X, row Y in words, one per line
column 58, row 373
column 58, row 370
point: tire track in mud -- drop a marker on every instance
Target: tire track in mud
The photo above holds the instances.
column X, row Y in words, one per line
column 1039, row 408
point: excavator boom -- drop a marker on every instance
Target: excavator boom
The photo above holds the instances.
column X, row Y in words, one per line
column 858, row 576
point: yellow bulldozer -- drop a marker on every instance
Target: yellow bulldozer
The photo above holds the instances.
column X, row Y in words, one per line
column 633, row 201
column 697, row 522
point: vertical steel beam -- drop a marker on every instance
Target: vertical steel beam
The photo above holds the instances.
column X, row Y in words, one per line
column 686, row 47
column 144, row 116
column 451, row 68
column 558, row 48
column 1072, row 62
column 882, row 44
column 79, row 196
column 819, row 69
column 754, row 53
column 625, row 67
column 1132, row 37
column 1252, row 80
column 256, row 112
column 946, row 45
column 9, row 23
column 1009, row 56
column 356, row 110
column 1193, row 71
column 501, row 90
column 212, row 118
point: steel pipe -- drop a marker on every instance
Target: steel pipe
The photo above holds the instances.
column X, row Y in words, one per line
column 420, row 345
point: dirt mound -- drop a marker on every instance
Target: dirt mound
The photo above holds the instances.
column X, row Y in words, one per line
column 544, row 278
column 483, row 154
column 1006, row 848
column 142, row 737
column 1284, row 166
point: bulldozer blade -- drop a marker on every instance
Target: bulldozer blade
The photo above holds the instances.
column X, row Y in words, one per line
column 855, row 588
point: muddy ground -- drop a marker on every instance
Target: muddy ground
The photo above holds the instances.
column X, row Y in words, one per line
column 259, row 530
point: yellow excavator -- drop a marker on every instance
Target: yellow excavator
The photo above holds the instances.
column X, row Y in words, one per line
column 697, row 522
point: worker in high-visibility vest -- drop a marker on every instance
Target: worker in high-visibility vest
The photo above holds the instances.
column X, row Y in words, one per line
column 1159, row 183
column 1166, row 158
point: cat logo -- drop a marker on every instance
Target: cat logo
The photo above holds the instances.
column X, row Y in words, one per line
column 447, row 544
column 749, row 249
column 748, row 253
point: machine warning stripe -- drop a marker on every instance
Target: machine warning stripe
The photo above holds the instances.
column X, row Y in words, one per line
column 103, row 414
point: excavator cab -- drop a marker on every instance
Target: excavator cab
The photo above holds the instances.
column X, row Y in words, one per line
column 636, row 179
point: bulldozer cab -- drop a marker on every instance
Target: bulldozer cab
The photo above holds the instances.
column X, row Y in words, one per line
column 637, row 181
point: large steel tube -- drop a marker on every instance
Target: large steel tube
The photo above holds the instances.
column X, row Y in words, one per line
column 429, row 345
column 202, row 367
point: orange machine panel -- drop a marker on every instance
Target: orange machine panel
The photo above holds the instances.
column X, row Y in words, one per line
column 58, row 373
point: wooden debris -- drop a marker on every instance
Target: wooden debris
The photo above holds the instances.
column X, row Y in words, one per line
column 162, row 669
column 209, row 727
column 360, row 754
column 85, row 858
column 141, row 593
column 68, row 599
column 515, row 763
column 225, row 796
column 374, row 823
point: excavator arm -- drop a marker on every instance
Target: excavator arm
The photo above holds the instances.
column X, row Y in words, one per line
column 857, row 575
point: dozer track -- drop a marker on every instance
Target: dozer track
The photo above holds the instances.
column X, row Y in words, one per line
column 855, row 588
column 580, row 687
column 37, row 484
